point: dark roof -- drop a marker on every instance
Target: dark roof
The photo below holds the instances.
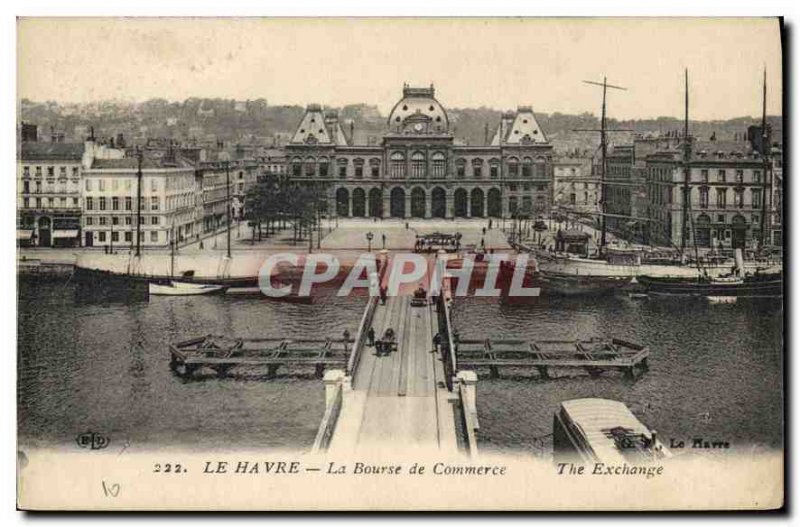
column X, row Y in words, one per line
column 46, row 151
column 132, row 163
column 572, row 234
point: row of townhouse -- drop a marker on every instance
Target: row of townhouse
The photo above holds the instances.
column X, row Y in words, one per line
column 85, row 194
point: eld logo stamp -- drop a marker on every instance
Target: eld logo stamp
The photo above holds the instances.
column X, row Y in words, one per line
column 92, row 440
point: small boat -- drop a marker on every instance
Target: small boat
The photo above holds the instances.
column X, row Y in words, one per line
column 721, row 299
column 600, row 430
column 175, row 288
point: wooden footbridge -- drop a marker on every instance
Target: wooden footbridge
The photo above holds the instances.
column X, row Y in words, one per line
column 421, row 395
column 220, row 354
column 594, row 356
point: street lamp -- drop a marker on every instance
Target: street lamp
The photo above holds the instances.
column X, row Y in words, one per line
column 369, row 241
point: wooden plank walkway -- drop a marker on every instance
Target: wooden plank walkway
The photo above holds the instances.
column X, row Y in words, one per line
column 594, row 356
column 221, row 354
column 399, row 401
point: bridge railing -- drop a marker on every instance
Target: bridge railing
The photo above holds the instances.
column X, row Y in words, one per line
column 361, row 335
column 365, row 324
column 334, row 397
column 448, row 346
column 467, row 382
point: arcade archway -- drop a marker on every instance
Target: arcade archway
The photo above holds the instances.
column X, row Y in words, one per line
column 418, row 202
column 397, row 203
column 438, row 203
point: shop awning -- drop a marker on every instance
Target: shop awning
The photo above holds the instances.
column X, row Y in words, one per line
column 24, row 234
column 66, row 233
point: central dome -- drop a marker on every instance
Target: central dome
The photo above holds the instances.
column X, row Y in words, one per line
column 418, row 112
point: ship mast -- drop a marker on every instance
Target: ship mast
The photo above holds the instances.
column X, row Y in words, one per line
column 687, row 154
column 603, row 152
column 765, row 214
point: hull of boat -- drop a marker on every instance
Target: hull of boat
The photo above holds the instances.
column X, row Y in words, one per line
column 575, row 285
column 751, row 287
column 570, row 265
column 184, row 289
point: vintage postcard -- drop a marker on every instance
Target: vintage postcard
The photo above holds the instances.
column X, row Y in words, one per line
column 400, row 264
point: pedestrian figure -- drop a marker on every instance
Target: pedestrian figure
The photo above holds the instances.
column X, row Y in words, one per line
column 371, row 337
column 383, row 295
column 346, row 335
column 378, row 347
column 383, row 239
column 484, row 231
column 437, row 340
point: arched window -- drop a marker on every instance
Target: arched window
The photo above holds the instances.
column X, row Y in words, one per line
column 527, row 165
column 397, row 165
column 375, row 167
column 417, row 165
column 477, row 168
column 513, row 167
column 461, row 168
column 323, row 167
column 297, row 167
column 342, row 167
column 439, row 169
column 494, row 168
column 311, row 167
column 541, row 167
column 358, row 165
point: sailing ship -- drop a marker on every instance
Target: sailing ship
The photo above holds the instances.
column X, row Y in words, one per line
column 740, row 282
column 617, row 265
column 737, row 284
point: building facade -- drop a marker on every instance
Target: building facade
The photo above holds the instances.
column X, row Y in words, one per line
column 619, row 191
column 776, row 188
column 575, row 188
column 419, row 169
column 49, row 200
column 725, row 207
column 167, row 210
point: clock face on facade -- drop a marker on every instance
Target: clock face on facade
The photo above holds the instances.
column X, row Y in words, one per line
column 418, row 127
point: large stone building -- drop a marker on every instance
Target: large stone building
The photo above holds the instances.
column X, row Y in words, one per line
column 419, row 169
column 49, row 194
column 725, row 207
column 168, row 208
column 620, row 190
column 50, row 201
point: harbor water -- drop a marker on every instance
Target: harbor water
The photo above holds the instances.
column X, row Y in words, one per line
column 714, row 371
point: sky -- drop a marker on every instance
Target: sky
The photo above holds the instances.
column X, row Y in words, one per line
column 498, row 63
